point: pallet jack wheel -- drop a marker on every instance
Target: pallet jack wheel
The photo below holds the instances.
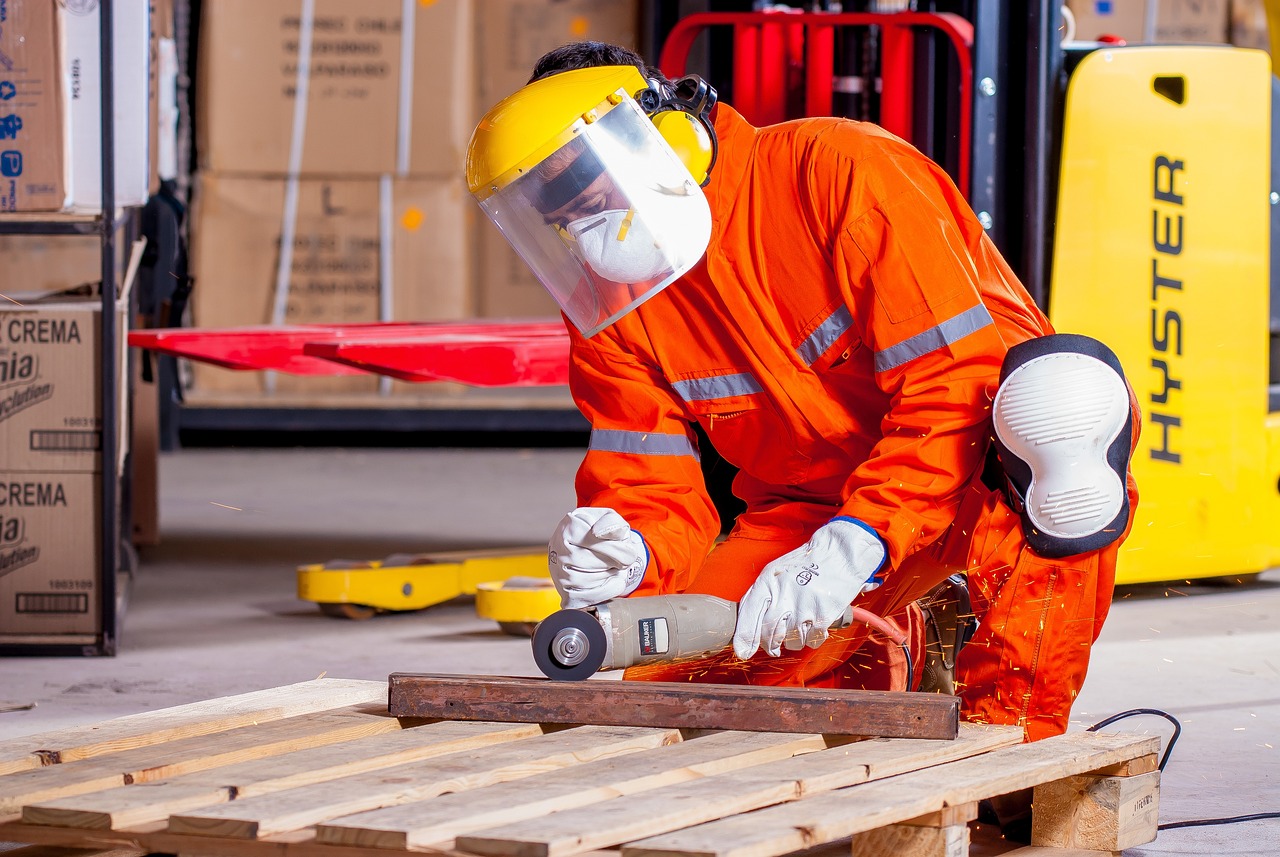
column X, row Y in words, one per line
column 355, row 612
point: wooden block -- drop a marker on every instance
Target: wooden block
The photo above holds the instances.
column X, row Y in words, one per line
column 270, row 814
column 835, row 815
column 633, row 817
column 905, row 840
column 184, row 721
column 157, row 762
column 445, row 817
column 1102, row 813
column 676, row 704
column 128, row 807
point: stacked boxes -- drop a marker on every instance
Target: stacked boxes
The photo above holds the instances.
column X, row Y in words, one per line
column 332, row 137
column 332, row 165
column 50, row 97
column 51, row 469
column 1162, row 21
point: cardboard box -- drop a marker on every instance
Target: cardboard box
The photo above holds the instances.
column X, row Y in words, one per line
column 31, row 109
column 505, row 287
column 79, row 35
column 510, row 38
column 1152, row 21
column 1249, row 27
column 512, row 35
column 51, row 385
column 339, row 249
column 370, row 107
column 50, row 568
column 48, row 263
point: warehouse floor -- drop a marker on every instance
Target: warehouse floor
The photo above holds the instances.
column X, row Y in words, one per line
column 213, row 613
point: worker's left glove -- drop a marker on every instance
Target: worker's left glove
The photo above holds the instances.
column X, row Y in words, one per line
column 800, row 595
column 594, row 556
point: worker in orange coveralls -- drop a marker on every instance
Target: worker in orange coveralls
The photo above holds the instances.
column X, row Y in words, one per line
column 820, row 299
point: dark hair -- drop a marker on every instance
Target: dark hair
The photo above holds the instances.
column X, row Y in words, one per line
column 576, row 55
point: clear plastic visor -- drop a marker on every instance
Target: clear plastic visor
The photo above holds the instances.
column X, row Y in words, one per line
column 607, row 220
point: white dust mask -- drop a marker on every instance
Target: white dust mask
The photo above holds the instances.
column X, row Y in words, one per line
column 619, row 246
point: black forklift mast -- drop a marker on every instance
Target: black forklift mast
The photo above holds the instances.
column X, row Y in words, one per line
column 1019, row 84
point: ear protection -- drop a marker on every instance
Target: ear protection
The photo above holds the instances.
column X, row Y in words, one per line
column 681, row 111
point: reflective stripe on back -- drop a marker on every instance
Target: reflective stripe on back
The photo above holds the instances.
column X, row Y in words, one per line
column 825, row 336
column 938, row 336
column 717, row 387
column 641, row 442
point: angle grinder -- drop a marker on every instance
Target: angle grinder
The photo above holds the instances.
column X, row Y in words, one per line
column 575, row 644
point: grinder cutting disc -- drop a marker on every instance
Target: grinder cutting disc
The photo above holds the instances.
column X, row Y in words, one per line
column 569, row 645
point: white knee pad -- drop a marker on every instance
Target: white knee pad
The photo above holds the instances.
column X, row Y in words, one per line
column 1063, row 430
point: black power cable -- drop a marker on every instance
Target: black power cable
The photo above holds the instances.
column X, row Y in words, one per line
column 1134, row 712
column 1177, row 730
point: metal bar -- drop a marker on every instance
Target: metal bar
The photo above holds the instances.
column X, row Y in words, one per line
column 990, row 108
column 879, row 713
column 897, row 73
column 1044, row 99
column 50, row 226
column 819, row 70
column 382, row 419
column 110, row 520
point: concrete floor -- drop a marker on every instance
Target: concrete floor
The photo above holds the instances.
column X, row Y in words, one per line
column 213, row 613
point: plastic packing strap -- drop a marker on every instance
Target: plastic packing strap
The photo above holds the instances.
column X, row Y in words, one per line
column 385, row 270
column 288, row 228
column 404, row 117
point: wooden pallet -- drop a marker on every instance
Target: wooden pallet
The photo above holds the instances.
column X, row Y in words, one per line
column 320, row 768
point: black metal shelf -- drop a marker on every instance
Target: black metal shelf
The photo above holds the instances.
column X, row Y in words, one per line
column 106, row 228
column 18, row 223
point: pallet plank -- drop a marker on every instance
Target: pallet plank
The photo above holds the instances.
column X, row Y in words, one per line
column 835, row 815
column 184, row 721
column 447, row 816
column 673, row 704
column 128, row 806
column 298, row 808
column 638, row 816
column 156, row 762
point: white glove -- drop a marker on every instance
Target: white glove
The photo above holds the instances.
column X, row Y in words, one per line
column 594, row 556
column 799, row 595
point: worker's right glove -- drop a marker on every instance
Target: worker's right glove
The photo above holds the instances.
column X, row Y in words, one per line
column 595, row 556
column 801, row 594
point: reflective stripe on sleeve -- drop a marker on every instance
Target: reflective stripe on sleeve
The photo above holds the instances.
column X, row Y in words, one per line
column 825, row 336
column 641, row 443
column 938, row 336
column 717, row 387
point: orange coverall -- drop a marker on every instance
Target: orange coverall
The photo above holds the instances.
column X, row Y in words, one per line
column 840, row 343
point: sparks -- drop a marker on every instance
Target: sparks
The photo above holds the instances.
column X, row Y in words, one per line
column 225, row 506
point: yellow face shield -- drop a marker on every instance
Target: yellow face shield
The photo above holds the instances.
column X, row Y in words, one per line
column 607, row 218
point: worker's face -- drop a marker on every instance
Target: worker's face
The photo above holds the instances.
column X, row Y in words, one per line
column 600, row 195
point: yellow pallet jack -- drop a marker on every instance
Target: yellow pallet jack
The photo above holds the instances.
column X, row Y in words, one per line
column 353, row 589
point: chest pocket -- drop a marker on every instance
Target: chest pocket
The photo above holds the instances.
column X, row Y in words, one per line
column 745, row 427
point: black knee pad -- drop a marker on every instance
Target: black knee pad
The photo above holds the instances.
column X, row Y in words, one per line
column 1063, row 429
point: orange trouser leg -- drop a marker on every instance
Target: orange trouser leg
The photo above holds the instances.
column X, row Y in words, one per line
column 851, row 658
column 1038, row 619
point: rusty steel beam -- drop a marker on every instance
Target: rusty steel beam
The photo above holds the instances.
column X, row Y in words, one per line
column 872, row 713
